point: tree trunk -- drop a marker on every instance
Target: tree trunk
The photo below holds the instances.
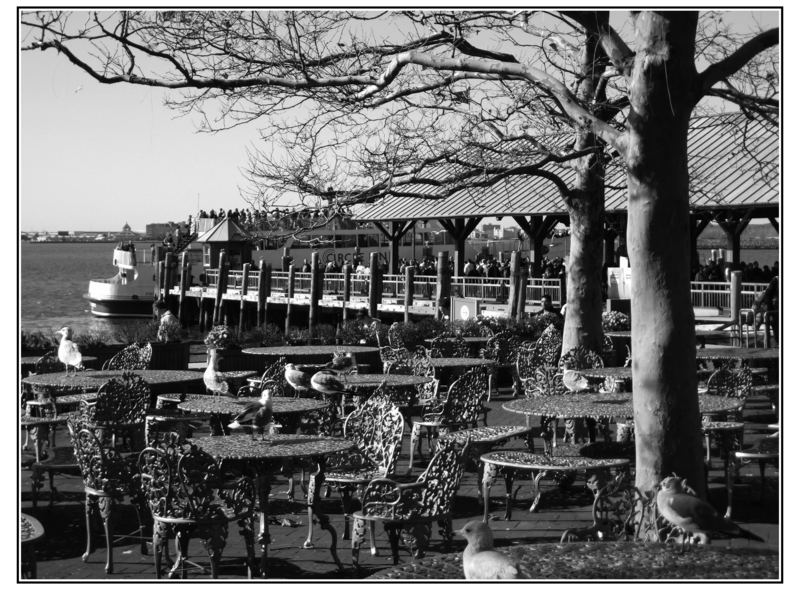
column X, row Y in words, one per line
column 586, row 204
column 665, row 405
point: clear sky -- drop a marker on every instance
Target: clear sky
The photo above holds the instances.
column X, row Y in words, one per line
column 95, row 156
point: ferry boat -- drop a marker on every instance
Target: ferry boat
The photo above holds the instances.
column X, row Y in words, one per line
column 130, row 292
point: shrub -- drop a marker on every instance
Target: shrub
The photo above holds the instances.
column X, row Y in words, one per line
column 269, row 335
column 221, row 337
column 38, row 340
column 615, row 321
column 136, row 331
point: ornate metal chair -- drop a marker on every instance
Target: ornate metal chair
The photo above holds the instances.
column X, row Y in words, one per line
column 409, row 509
column 546, row 381
column 608, row 351
column 502, row 348
column 273, row 372
column 390, row 355
column 731, row 383
column 574, row 359
column 395, row 335
column 134, row 356
column 107, row 478
column 544, row 352
column 458, row 410
column 445, row 346
column 188, row 496
column 621, row 512
column 376, row 428
column 48, row 363
column 764, row 451
column 120, row 408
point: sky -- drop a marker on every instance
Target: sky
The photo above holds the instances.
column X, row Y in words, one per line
column 93, row 157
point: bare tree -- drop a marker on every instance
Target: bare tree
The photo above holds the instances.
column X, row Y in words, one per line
column 362, row 105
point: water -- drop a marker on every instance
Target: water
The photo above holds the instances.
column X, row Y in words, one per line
column 53, row 279
column 55, row 276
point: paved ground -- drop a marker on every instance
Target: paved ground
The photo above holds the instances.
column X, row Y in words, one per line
column 60, row 552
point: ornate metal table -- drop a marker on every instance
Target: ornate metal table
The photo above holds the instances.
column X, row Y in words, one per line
column 604, row 405
column 27, row 363
column 88, row 381
column 564, row 461
column 30, row 532
column 221, row 408
column 746, row 354
column 607, row 561
column 729, row 436
column 457, row 362
column 605, row 372
column 259, row 456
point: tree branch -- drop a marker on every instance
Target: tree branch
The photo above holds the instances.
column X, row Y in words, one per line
column 735, row 61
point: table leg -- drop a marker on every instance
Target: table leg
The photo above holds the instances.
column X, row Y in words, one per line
column 262, row 490
column 314, row 484
column 489, row 473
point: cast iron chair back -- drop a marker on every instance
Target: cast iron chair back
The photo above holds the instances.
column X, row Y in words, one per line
column 130, row 358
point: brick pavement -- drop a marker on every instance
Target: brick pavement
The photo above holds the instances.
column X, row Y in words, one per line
column 60, row 553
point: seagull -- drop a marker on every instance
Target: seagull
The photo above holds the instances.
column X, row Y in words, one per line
column 340, row 363
column 694, row 516
column 299, row 380
column 574, row 381
column 259, row 413
column 327, row 382
column 481, row 561
column 68, row 352
column 212, row 378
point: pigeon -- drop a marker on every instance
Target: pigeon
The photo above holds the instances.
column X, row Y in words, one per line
column 299, row 380
column 481, row 561
column 68, row 352
column 259, row 413
column 212, row 378
column 695, row 517
column 574, row 381
column 327, row 382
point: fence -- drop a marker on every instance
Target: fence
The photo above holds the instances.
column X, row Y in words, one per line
column 718, row 294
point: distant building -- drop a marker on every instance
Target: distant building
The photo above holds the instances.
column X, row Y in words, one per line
column 510, row 233
column 127, row 233
column 490, row 231
column 158, row 231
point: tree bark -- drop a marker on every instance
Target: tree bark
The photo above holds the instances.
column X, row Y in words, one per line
column 583, row 323
column 665, row 404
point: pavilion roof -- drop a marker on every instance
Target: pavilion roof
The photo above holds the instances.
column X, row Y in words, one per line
column 733, row 163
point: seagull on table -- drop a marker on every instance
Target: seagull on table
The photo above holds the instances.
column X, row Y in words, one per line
column 68, row 352
column 327, row 382
column 212, row 378
column 695, row 517
column 340, row 363
column 299, row 380
column 574, row 381
column 481, row 561
column 259, row 413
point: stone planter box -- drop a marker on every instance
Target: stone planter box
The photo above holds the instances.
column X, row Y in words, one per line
column 170, row 355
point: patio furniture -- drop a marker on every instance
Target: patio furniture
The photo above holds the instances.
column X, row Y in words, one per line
column 120, row 408
column 108, row 477
column 765, row 451
column 502, row 348
column 376, row 429
column 458, row 410
column 728, row 437
column 608, row 561
column 31, row 533
column 160, row 381
column 260, row 458
column 187, row 495
column 544, row 352
column 390, row 355
column 443, row 346
column 395, row 335
column 736, row 383
column 576, row 359
column 133, row 356
column 409, row 509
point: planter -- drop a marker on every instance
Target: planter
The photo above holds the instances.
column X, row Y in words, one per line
column 236, row 360
column 170, row 355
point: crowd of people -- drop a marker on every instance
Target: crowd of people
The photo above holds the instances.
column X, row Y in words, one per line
column 752, row 272
column 275, row 219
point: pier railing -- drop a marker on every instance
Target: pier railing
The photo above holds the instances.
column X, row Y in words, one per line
column 718, row 294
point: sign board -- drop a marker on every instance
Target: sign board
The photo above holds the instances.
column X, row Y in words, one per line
column 464, row 308
column 619, row 283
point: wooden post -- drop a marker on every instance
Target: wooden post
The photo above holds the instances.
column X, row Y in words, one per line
column 159, row 281
column 523, row 288
column 563, row 289
column 169, row 264
column 222, row 285
column 513, row 285
column 267, row 291
column 183, row 285
column 408, row 300
column 314, row 293
column 201, row 320
column 347, row 269
column 375, row 286
column 242, row 294
column 442, row 286
column 289, row 296
column 156, row 271
column 458, row 263
column 261, row 297
column 736, row 295
column 286, row 260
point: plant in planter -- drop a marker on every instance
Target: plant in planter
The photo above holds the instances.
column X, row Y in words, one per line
column 615, row 321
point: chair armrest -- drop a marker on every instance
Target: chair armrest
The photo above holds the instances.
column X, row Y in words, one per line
column 389, row 499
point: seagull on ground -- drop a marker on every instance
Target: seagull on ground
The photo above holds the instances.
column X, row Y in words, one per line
column 299, row 380
column 212, row 378
column 695, row 517
column 68, row 352
column 481, row 561
column 259, row 413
